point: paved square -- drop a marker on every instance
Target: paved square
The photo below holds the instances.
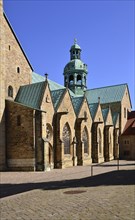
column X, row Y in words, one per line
column 70, row 194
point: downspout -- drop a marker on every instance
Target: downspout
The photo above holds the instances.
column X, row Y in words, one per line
column 34, row 139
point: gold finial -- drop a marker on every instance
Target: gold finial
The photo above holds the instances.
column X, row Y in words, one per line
column 75, row 41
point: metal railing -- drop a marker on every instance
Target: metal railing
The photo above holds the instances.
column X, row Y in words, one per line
column 98, row 164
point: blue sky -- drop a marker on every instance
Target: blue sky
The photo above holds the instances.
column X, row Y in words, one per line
column 104, row 31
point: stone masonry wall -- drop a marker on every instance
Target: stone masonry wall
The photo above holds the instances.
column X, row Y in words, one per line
column 20, row 137
column 84, row 112
column 11, row 58
column 66, row 105
column 2, row 90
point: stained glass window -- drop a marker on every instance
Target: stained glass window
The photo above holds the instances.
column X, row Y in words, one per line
column 85, row 140
column 66, row 138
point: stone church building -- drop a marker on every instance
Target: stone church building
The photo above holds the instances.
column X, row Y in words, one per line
column 44, row 125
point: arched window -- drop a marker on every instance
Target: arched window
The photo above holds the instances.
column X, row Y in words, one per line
column 100, row 141
column 10, row 91
column 48, row 132
column 66, row 81
column 85, row 140
column 66, row 137
column 79, row 79
column 71, row 80
column 110, row 144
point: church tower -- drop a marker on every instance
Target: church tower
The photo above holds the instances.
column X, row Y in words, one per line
column 75, row 71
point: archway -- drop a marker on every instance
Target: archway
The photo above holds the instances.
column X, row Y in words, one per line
column 71, row 80
column 79, row 79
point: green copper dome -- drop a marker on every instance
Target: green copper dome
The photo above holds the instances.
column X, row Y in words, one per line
column 75, row 46
column 75, row 64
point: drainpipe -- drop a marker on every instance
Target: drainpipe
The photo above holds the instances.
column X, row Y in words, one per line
column 34, row 139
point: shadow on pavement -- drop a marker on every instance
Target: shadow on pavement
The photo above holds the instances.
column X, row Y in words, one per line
column 122, row 177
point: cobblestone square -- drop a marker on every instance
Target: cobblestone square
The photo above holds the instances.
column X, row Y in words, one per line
column 70, row 194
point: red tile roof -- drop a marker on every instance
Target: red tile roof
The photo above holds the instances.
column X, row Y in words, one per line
column 130, row 125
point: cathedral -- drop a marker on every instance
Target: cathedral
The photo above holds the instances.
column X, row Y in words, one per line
column 44, row 125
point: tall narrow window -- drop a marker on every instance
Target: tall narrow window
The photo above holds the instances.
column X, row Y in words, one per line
column 66, row 138
column 66, row 82
column 125, row 115
column 18, row 69
column 71, row 78
column 85, row 140
column 10, row 91
column 110, row 145
column 100, row 141
column 79, row 79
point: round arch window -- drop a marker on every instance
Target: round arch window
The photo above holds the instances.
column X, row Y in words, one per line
column 10, row 91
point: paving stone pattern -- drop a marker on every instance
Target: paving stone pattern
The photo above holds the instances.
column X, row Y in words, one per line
column 70, row 194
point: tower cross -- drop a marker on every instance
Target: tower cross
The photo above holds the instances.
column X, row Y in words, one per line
column 75, row 41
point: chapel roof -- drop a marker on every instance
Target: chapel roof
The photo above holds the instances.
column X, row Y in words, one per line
column 57, row 96
column 53, row 85
column 105, row 113
column 107, row 94
column 31, row 95
column 115, row 116
column 93, row 109
column 77, row 102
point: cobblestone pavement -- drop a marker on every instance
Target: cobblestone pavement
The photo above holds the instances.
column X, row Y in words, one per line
column 70, row 194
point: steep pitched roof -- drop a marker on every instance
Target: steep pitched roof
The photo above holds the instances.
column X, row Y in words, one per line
column 105, row 113
column 17, row 40
column 53, row 85
column 77, row 102
column 115, row 116
column 93, row 109
column 107, row 94
column 31, row 95
column 56, row 97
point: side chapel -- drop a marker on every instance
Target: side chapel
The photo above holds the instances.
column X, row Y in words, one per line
column 44, row 125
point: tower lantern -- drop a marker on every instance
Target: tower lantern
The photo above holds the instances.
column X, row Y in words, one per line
column 75, row 71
